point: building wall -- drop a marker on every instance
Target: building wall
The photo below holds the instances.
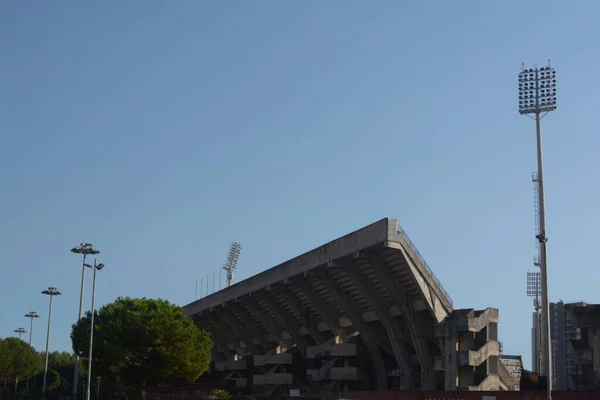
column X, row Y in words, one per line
column 558, row 334
column 559, row 353
column 535, row 342
column 583, row 346
column 575, row 335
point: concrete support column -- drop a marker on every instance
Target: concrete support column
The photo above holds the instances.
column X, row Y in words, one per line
column 450, row 358
column 273, row 329
column 352, row 311
column 293, row 304
column 412, row 322
column 293, row 327
column 244, row 334
column 328, row 316
column 220, row 341
column 251, row 324
column 392, row 327
column 228, row 332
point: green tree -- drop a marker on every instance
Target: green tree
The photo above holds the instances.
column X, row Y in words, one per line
column 220, row 394
column 53, row 380
column 18, row 360
column 6, row 365
column 145, row 342
column 63, row 363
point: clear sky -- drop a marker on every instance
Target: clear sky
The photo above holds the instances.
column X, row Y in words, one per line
column 160, row 131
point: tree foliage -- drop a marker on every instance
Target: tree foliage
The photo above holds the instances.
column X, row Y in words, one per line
column 220, row 394
column 63, row 363
column 145, row 342
column 18, row 359
column 53, row 380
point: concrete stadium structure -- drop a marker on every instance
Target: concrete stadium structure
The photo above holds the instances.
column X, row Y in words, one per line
column 363, row 312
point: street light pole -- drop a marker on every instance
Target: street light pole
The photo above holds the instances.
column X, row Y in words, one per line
column 31, row 315
column 537, row 97
column 20, row 331
column 51, row 291
column 85, row 249
column 95, row 267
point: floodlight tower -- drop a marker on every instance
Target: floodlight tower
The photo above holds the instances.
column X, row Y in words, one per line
column 20, row 331
column 31, row 315
column 85, row 249
column 232, row 260
column 51, row 291
column 537, row 97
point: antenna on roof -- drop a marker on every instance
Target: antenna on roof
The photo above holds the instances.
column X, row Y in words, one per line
column 233, row 256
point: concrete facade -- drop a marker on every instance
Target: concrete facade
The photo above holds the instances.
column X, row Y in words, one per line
column 363, row 312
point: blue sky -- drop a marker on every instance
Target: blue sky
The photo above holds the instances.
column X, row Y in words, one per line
column 160, row 131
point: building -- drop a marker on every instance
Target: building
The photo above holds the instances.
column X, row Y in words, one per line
column 362, row 312
column 559, row 343
column 514, row 367
column 582, row 331
column 535, row 342
column 568, row 370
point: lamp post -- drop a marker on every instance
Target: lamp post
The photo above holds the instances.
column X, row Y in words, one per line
column 31, row 315
column 51, row 291
column 20, row 331
column 85, row 249
column 537, row 97
column 95, row 267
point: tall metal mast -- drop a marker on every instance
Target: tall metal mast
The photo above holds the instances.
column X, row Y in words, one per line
column 537, row 97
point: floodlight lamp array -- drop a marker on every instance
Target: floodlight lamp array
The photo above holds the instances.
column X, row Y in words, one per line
column 533, row 284
column 233, row 256
column 52, row 291
column 537, row 90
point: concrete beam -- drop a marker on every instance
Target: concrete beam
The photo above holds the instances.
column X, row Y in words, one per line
column 351, row 309
column 274, row 330
column 227, row 331
column 293, row 328
column 218, row 339
column 392, row 327
column 293, row 304
column 330, row 317
column 227, row 314
column 250, row 323
column 423, row 349
column 438, row 307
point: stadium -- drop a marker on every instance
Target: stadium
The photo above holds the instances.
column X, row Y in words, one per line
column 361, row 313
